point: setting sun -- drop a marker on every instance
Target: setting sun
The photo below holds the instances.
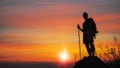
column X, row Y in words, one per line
column 64, row 56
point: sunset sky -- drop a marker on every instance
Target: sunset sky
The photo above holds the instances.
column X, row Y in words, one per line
column 40, row 30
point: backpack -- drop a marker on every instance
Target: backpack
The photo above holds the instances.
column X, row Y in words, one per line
column 93, row 27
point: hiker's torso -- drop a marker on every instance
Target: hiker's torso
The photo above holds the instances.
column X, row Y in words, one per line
column 88, row 28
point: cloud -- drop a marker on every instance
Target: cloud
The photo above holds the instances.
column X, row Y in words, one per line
column 5, row 57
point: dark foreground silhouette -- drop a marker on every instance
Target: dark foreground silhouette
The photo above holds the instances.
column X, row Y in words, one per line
column 114, row 64
column 91, row 62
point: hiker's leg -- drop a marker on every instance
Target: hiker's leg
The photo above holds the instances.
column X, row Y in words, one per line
column 88, row 49
column 92, row 48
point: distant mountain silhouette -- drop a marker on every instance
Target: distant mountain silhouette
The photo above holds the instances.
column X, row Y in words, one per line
column 90, row 62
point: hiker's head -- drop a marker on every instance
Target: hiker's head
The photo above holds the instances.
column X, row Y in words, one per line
column 85, row 15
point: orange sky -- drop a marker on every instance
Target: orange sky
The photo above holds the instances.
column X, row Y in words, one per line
column 40, row 30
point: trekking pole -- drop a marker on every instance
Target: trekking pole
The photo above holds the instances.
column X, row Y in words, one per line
column 79, row 44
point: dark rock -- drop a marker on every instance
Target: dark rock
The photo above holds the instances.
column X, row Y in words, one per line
column 90, row 62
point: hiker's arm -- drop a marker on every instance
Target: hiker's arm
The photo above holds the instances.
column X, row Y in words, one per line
column 79, row 28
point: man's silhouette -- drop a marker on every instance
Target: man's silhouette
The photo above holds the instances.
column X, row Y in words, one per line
column 89, row 33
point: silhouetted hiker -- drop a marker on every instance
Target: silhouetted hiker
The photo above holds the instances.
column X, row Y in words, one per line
column 89, row 33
